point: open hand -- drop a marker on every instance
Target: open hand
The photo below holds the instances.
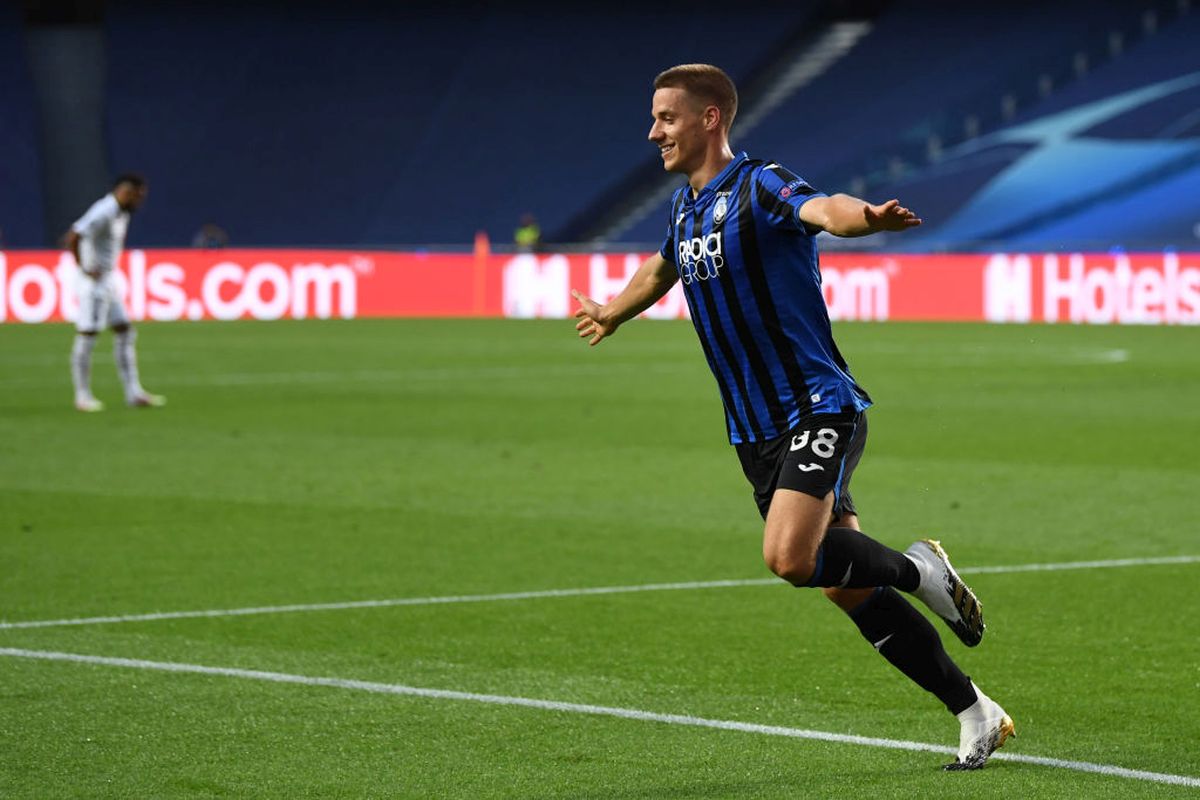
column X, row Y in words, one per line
column 890, row 216
column 591, row 320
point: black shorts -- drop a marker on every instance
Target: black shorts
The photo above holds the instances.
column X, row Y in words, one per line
column 816, row 457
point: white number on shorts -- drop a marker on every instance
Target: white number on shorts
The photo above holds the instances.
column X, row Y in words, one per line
column 823, row 444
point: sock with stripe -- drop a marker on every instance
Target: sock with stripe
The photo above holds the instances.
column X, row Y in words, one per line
column 903, row 636
column 849, row 560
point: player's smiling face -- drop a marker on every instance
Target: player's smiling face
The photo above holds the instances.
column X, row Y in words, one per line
column 678, row 130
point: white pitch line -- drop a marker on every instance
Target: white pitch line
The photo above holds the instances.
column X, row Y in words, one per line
column 399, row 601
column 1111, row 563
column 476, row 373
column 1109, row 770
column 533, row 595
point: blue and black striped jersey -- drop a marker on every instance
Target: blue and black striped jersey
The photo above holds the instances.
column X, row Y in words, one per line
column 749, row 271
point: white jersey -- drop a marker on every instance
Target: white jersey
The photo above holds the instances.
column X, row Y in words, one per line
column 102, row 234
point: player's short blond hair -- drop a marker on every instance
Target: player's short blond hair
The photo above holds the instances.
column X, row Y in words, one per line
column 708, row 84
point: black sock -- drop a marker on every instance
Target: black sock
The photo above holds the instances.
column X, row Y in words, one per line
column 849, row 560
column 905, row 638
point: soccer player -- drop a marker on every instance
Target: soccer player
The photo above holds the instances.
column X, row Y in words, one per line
column 741, row 239
column 96, row 240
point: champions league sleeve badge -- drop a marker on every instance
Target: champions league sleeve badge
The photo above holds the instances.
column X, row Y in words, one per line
column 797, row 186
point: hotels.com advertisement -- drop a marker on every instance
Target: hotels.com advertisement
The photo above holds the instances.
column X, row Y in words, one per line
column 1096, row 288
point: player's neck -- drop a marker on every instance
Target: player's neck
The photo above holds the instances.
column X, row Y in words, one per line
column 719, row 157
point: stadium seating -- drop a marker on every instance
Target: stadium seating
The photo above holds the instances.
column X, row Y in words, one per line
column 368, row 125
column 21, row 220
column 1114, row 158
column 379, row 124
column 889, row 95
column 887, row 99
column 888, row 89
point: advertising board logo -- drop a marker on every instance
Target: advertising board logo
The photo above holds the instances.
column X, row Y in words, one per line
column 161, row 288
column 1140, row 289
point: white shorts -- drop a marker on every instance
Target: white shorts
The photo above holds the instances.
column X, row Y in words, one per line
column 100, row 303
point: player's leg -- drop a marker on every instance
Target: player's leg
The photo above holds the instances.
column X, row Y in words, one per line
column 819, row 459
column 811, row 466
column 904, row 637
column 125, row 356
column 846, row 599
column 900, row 633
column 800, row 548
column 812, row 528
column 81, row 371
column 88, row 322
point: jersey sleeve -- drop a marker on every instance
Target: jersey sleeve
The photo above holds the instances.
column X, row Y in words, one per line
column 94, row 218
column 780, row 194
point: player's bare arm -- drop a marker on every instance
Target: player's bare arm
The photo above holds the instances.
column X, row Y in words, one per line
column 70, row 241
column 653, row 279
column 843, row 215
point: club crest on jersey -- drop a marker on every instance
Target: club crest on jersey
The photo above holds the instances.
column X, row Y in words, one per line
column 720, row 209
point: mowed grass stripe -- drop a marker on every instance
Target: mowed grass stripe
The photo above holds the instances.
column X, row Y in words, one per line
column 548, row 593
column 1109, row 770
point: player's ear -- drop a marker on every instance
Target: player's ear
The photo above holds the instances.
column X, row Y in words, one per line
column 712, row 118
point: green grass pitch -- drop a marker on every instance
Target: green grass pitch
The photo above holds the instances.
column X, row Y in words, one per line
column 322, row 462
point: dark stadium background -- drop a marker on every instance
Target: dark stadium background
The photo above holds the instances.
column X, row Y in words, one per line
column 394, row 125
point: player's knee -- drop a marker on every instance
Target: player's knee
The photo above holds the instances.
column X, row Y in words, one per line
column 797, row 569
column 122, row 327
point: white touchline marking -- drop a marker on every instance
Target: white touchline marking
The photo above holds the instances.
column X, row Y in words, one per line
column 534, row 595
column 580, row 708
column 1113, row 356
column 980, row 353
column 376, row 375
column 399, row 601
column 1116, row 562
column 379, row 375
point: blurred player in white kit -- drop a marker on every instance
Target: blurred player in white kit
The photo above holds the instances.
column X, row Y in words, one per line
column 96, row 240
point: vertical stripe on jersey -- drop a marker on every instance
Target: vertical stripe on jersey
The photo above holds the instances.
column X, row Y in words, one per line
column 764, row 396
column 782, row 392
column 731, row 424
column 694, row 313
column 756, row 274
column 676, row 207
column 725, row 367
column 714, row 304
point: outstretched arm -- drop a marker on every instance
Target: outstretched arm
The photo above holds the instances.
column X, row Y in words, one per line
column 653, row 279
column 843, row 215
